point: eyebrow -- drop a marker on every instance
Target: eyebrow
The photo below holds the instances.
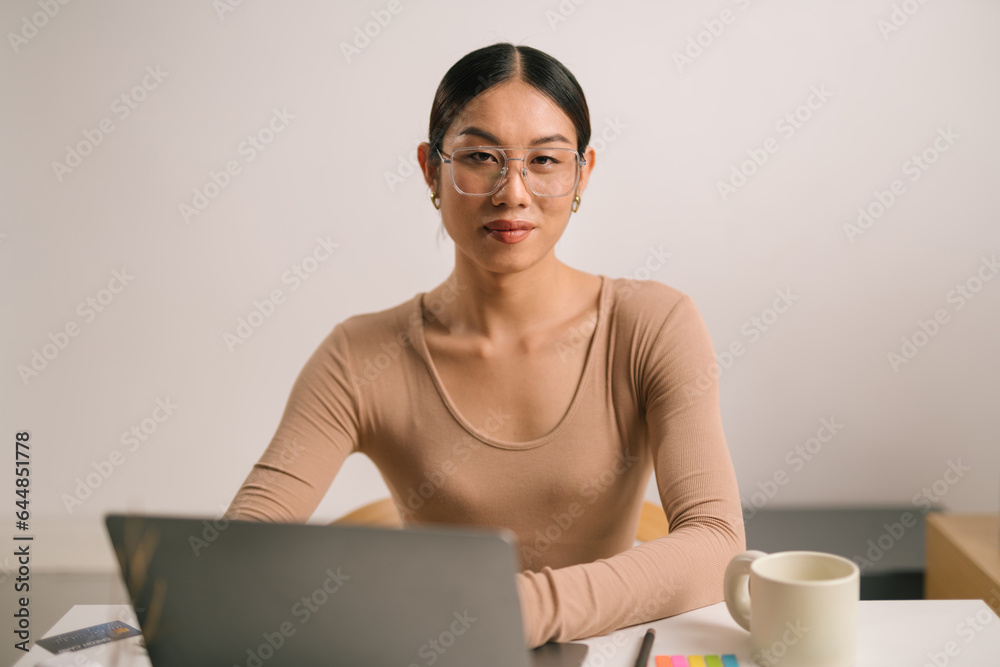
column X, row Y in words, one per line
column 472, row 130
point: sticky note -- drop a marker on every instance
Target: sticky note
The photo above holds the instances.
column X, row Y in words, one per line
column 728, row 660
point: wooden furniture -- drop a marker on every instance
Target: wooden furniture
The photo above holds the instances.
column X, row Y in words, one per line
column 963, row 557
column 652, row 520
column 378, row 513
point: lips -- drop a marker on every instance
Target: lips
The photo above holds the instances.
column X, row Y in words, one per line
column 508, row 225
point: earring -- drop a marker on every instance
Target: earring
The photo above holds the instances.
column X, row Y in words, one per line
column 576, row 203
column 434, row 201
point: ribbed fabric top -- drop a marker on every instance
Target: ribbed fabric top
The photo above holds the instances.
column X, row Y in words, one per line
column 647, row 400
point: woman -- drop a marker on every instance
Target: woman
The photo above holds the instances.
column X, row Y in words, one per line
column 521, row 392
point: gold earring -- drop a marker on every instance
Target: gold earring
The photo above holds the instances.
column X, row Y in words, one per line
column 576, row 203
column 434, row 200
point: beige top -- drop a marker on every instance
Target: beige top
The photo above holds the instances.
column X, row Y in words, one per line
column 646, row 401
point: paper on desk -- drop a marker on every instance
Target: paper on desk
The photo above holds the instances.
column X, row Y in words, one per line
column 69, row 660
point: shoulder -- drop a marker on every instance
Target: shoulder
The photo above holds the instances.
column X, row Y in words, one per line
column 648, row 304
column 374, row 339
column 661, row 331
column 363, row 345
column 376, row 330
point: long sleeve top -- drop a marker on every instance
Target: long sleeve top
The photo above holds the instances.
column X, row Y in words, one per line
column 647, row 401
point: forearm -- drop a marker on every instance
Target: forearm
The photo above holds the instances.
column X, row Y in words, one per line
column 667, row 576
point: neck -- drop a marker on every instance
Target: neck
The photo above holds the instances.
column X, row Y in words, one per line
column 505, row 306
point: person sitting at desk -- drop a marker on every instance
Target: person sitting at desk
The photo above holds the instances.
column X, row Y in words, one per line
column 520, row 392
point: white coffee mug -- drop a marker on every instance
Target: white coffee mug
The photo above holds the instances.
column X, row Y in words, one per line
column 800, row 607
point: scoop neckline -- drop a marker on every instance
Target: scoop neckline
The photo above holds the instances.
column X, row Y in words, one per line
column 417, row 334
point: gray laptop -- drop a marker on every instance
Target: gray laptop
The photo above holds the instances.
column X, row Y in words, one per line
column 253, row 594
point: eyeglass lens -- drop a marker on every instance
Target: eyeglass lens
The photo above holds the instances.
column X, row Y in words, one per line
column 551, row 172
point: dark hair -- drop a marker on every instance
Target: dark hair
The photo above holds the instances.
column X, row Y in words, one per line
column 494, row 64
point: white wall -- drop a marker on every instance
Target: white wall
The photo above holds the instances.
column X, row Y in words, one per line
column 673, row 132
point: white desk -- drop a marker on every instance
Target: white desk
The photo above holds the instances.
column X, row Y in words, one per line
column 891, row 633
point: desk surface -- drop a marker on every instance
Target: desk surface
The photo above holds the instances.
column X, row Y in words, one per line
column 891, row 633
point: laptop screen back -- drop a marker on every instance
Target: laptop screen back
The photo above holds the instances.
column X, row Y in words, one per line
column 268, row 594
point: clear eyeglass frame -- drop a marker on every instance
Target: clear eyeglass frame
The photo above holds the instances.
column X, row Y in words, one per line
column 580, row 163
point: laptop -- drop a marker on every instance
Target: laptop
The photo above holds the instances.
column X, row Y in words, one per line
column 254, row 594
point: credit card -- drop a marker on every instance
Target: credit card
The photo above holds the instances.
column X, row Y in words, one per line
column 87, row 637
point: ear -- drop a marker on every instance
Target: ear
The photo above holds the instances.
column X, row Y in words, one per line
column 430, row 171
column 591, row 157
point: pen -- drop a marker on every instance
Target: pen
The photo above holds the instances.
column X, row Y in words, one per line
column 647, row 646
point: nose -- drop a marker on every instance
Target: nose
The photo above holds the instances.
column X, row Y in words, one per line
column 513, row 189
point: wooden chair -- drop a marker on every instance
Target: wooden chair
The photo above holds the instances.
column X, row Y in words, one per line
column 652, row 520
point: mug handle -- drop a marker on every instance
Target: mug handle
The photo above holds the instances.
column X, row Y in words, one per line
column 736, row 585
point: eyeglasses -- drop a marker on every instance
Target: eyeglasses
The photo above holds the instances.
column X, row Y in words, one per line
column 480, row 170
